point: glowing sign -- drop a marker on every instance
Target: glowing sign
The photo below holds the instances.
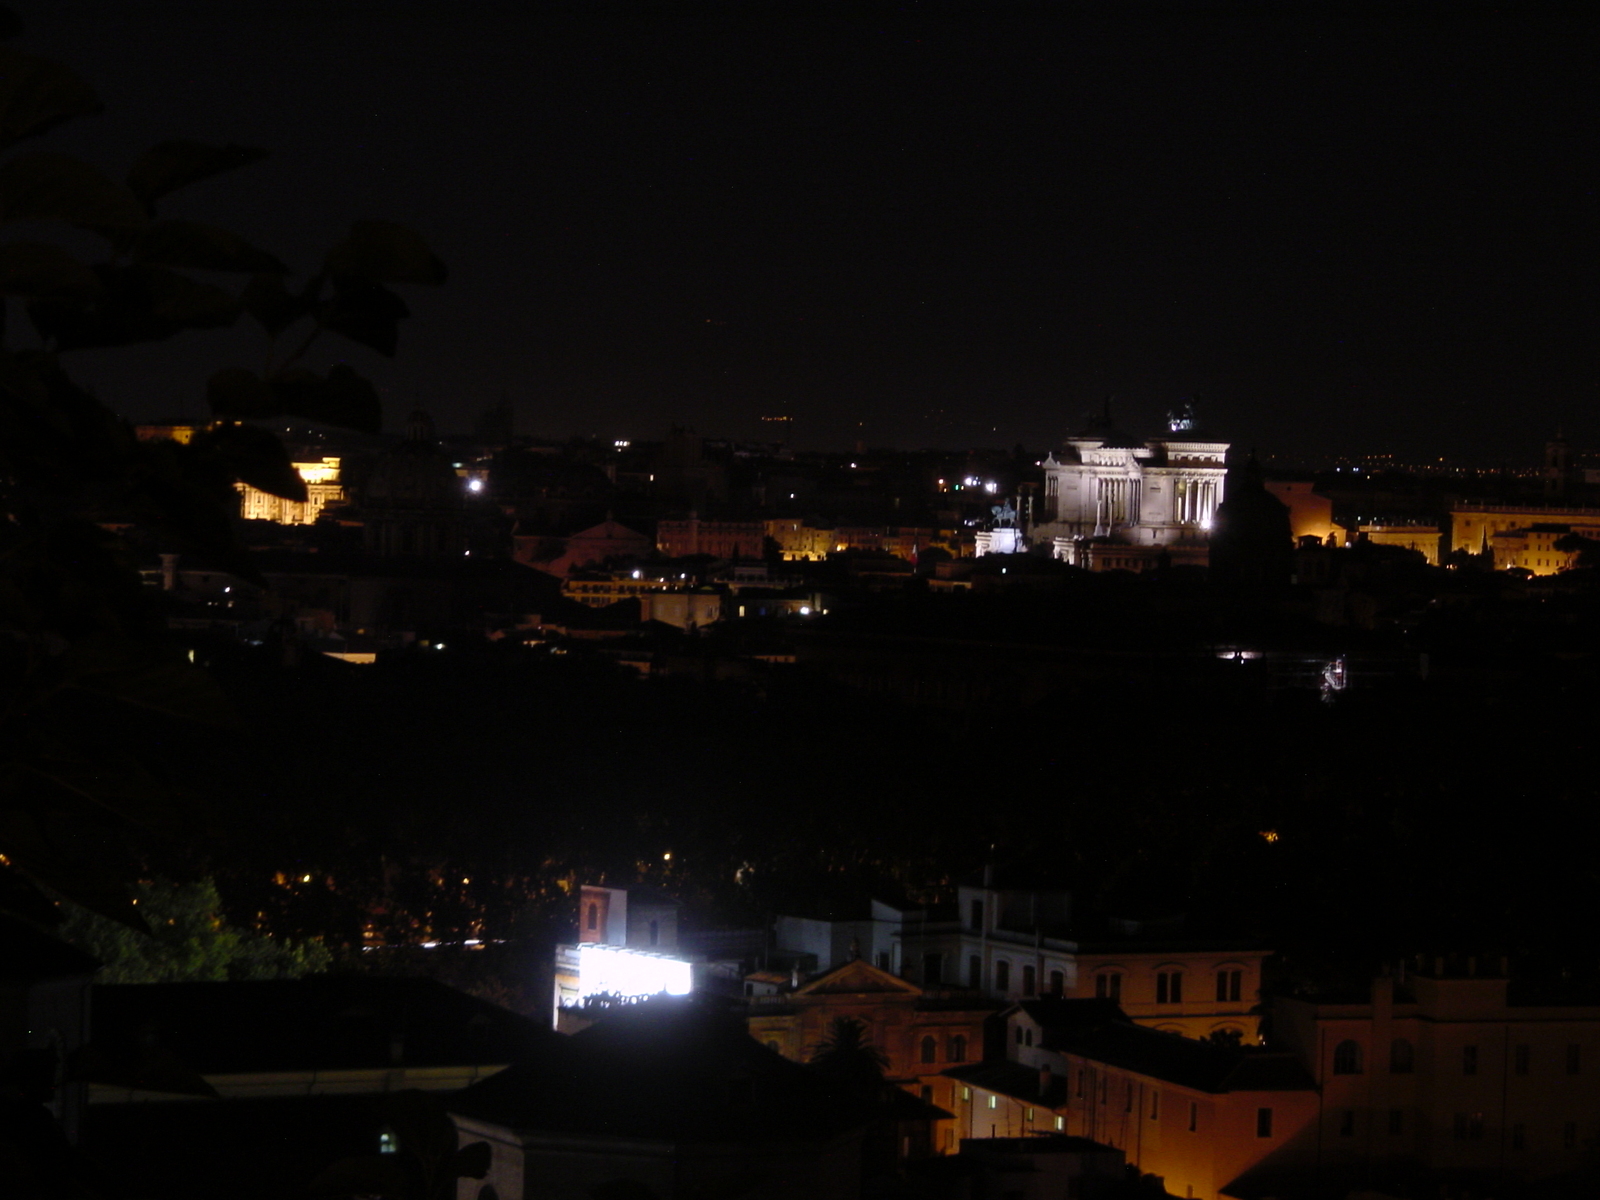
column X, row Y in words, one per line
column 615, row 971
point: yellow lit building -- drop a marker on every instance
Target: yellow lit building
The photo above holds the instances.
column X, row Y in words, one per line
column 322, row 490
column 1424, row 539
column 1473, row 527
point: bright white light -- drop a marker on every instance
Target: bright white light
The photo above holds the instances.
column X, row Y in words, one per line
column 474, row 485
column 629, row 973
column 638, row 574
column 1205, row 523
column 991, row 488
column 805, row 610
column 439, row 646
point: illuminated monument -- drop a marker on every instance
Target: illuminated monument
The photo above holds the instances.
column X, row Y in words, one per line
column 1111, row 501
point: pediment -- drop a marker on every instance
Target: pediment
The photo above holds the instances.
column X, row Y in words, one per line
column 858, row 977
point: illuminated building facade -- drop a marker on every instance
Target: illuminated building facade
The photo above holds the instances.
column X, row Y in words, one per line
column 1520, row 536
column 1019, row 943
column 720, row 539
column 1203, row 1118
column 323, row 490
column 920, row 1030
column 1155, row 495
column 1452, row 1072
column 1424, row 538
column 627, row 949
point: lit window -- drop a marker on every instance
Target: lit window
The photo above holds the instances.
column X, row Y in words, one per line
column 388, row 1143
column 994, row 1102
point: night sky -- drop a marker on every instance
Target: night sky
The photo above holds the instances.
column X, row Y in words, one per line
column 1354, row 235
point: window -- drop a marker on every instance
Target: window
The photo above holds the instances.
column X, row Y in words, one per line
column 966, row 1095
column 1397, row 1121
column 1229, row 984
column 1061, row 1124
column 1028, row 1116
column 883, row 960
column 592, row 921
column 1169, row 987
column 958, row 1048
column 1027, row 981
column 1108, row 986
column 1519, row 1059
column 1155, row 1106
column 1027, row 1037
column 1347, row 1058
column 1574, row 1058
column 1468, row 1127
column 994, row 1101
column 1519, row 1137
column 1058, row 983
column 1194, row 1116
column 1347, row 1122
column 1002, row 976
column 929, row 1050
column 1263, row 1122
column 1019, row 1035
column 977, row 915
column 388, row 1142
column 932, row 967
column 1402, row 1057
column 974, row 972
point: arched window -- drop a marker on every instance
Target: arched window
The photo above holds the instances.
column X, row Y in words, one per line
column 1108, row 985
column 958, row 1048
column 1027, row 981
column 1347, row 1058
column 593, row 919
column 1002, row 976
column 930, row 1049
column 1402, row 1058
column 974, row 972
column 1058, row 983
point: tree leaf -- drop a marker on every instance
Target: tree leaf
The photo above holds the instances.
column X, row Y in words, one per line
column 39, row 270
column 273, row 305
column 256, row 457
column 200, row 246
column 37, row 94
column 352, row 402
column 45, row 186
column 239, row 392
column 175, row 164
column 364, row 312
column 384, row 252
column 141, row 303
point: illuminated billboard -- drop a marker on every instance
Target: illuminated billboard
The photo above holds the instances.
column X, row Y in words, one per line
column 630, row 974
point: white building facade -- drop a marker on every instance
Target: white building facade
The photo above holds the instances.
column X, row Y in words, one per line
column 1150, row 496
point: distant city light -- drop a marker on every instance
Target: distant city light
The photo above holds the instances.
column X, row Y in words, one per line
column 622, row 443
column 991, row 487
column 305, row 879
column 474, row 485
column 637, row 574
column 1269, row 835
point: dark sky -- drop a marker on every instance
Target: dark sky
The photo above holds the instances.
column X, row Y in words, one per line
column 1349, row 235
